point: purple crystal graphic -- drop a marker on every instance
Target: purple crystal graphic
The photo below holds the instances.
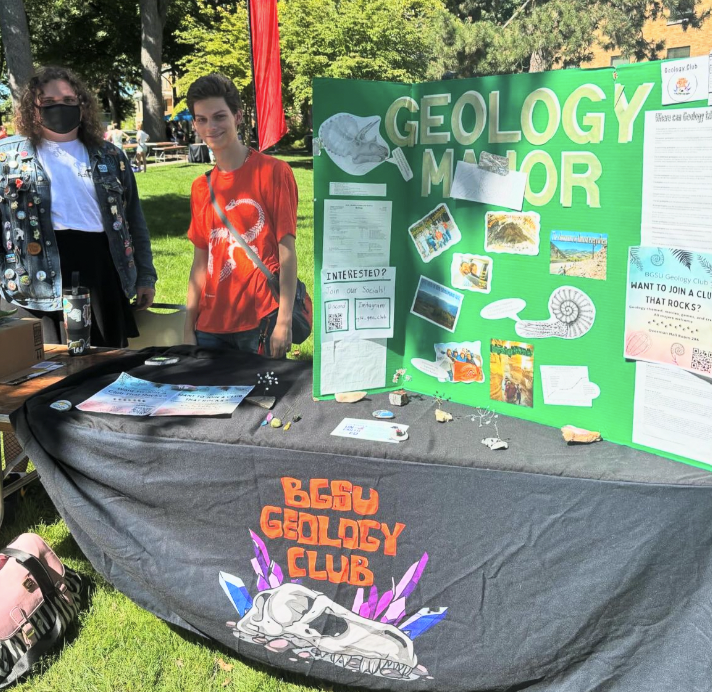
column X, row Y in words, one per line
column 422, row 621
column 396, row 603
column 269, row 573
column 358, row 601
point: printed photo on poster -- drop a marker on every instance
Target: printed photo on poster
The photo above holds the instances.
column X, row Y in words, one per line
column 578, row 254
column 437, row 304
column 434, row 233
column 471, row 272
column 512, row 372
column 668, row 317
column 462, row 361
column 514, row 233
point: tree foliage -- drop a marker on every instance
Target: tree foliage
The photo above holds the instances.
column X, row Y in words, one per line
column 216, row 40
column 496, row 36
column 393, row 40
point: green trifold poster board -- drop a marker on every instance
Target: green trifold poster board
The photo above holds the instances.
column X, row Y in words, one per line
column 472, row 238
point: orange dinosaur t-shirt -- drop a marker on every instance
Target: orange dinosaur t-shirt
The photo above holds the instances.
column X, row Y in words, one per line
column 260, row 200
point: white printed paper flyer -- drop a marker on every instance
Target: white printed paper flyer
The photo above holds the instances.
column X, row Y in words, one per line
column 669, row 308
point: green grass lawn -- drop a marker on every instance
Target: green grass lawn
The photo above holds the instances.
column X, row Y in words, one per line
column 119, row 647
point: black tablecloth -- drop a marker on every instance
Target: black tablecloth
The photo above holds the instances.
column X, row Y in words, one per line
column 198, row 153
column 433, row 564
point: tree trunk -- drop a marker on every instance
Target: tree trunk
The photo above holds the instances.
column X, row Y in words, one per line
column 153, row 17
column 16, row 42
column 539, row 61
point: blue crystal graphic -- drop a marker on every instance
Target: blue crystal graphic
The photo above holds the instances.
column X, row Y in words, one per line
column 422, row 621
column 235, row 590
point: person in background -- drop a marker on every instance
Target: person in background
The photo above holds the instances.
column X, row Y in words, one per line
column 141, row 147
column 3, row 131
column 107, row 133
column 229, row 303
column 70, row 204
column 117, row 136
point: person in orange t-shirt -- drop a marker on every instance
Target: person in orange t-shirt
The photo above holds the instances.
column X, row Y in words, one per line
column 228, row 296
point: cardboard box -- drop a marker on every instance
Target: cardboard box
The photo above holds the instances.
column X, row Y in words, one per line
column 21, row 344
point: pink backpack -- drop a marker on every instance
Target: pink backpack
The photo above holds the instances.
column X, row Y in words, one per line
column 39, row 598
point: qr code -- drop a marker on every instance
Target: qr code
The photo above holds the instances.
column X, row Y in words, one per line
column 140, row 410
column 701, row 360
column 335, row 322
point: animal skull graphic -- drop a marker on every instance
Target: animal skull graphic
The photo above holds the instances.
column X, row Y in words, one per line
column 309, row 619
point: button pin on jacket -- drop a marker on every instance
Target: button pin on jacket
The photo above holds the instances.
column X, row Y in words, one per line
column 34, row 248
column 25, row 280
column 117, row 225
column 12, row 285
column 33, row 221
column 3, row 156
column 10, row 257
column 36, row 199
column 36, row 234
column 114, row 210
column 24, row 154
column 19, row 234
column 21, row 215
column 13, row 205
column 102, row 168
column 40, row 276
column 13, row 163
column 9, row 273
column 8, row 245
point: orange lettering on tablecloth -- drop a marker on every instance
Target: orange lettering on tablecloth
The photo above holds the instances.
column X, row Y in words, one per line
column 391, row 538
column 272, row 528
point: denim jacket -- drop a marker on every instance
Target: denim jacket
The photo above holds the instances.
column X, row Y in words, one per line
column 29, row 258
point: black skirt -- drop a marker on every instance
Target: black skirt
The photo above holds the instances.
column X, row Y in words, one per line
column 112, row 320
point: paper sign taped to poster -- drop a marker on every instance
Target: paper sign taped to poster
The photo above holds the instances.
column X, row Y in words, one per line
column 477, row 184
column 358, row 302
column 357, row 232
column 684, row 80
column 568, row 385
column 669, row 308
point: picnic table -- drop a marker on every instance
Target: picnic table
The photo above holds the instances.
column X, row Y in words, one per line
column 162, row 151
column 12, row 397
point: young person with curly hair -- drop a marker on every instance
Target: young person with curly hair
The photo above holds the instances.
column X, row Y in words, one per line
column 69, row 203
column 229, row 301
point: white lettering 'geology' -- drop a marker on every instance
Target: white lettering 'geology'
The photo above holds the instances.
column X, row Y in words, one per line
column 222, row 234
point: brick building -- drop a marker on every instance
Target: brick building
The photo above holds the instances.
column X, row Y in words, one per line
column 681, row 41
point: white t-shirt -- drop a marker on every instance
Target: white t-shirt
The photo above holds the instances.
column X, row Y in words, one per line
column 141, row 139
column 117, row 138
column 74, row 201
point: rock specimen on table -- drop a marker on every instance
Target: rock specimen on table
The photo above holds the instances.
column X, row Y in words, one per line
column 349, row 397
column 442, row 416
column 573, row 434
column 398, row 398
column 495, row 443
column 261, row 401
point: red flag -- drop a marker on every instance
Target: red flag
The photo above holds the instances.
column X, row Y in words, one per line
column 267, row 72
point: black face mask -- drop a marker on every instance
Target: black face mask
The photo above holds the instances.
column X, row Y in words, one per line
column 60, row 118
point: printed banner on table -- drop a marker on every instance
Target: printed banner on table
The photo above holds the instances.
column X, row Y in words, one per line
column 358, row 302
column 132, row 396
column 669, row 308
